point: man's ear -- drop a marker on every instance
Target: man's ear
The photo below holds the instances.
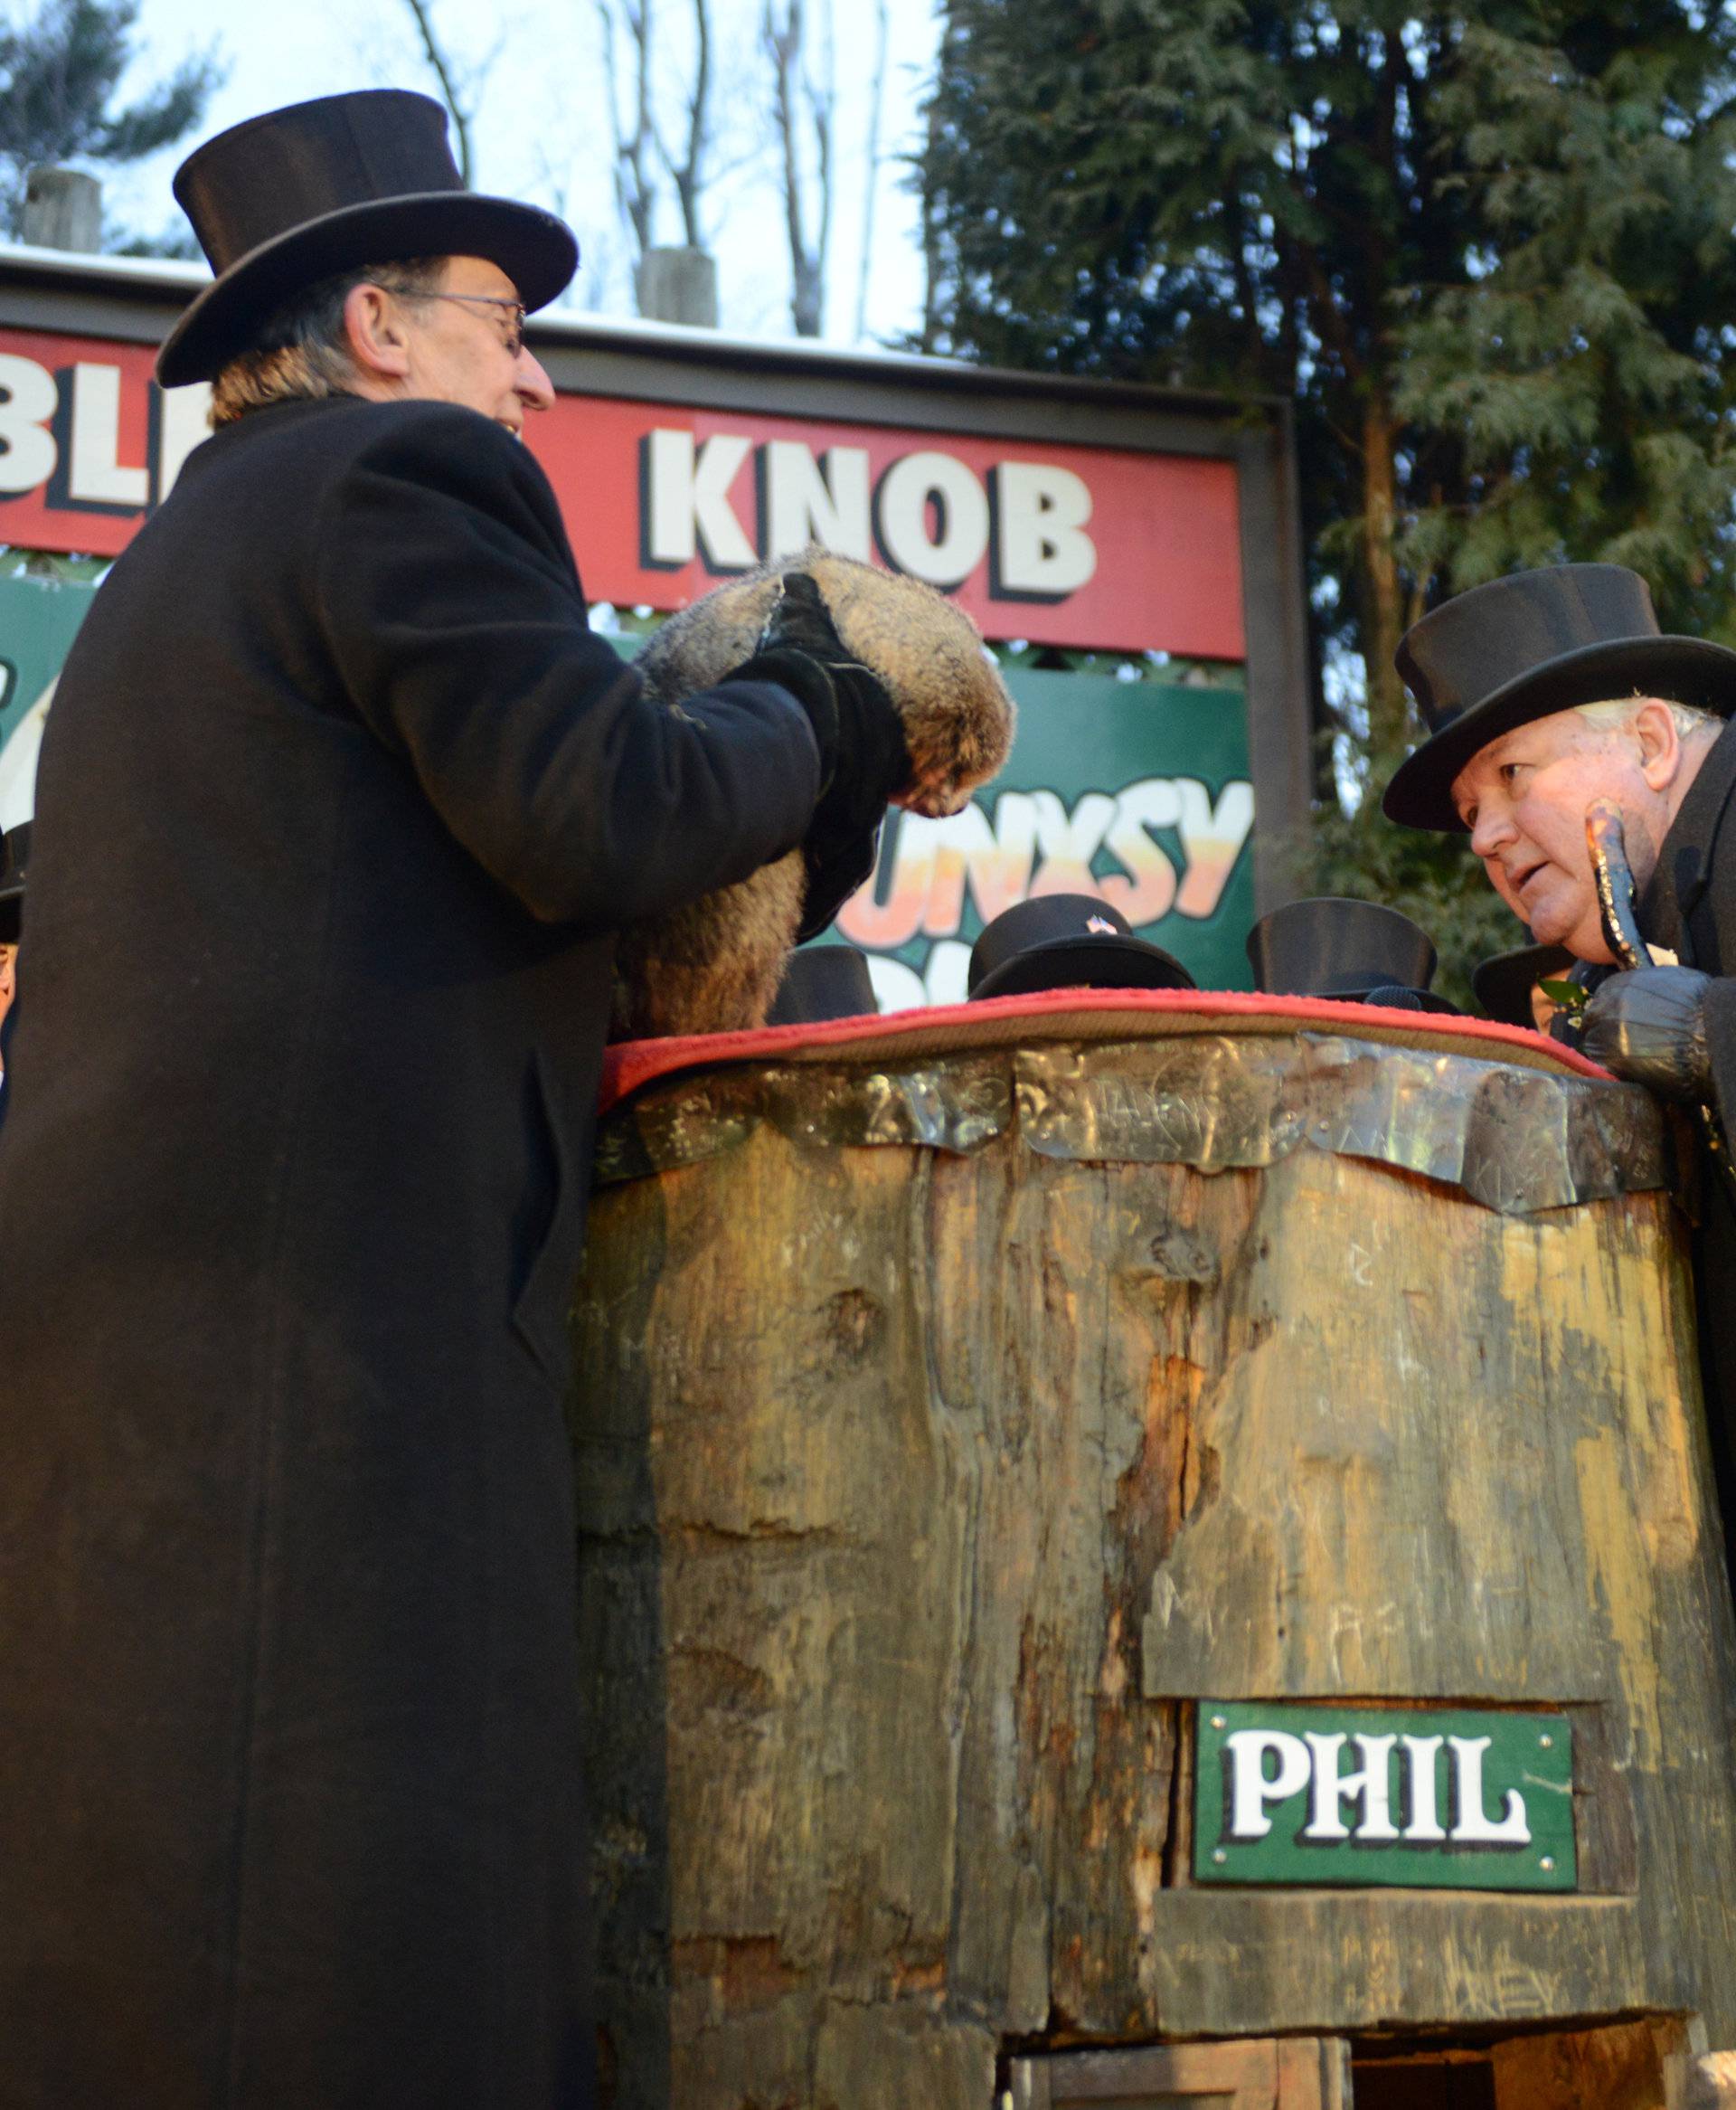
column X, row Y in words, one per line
column 1660, row 744
column 373, row 332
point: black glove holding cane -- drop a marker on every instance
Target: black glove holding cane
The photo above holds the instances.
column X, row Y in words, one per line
column 1649, row 1026
column 863, row 758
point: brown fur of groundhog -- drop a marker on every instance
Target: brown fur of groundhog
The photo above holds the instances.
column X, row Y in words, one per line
column 713, row 966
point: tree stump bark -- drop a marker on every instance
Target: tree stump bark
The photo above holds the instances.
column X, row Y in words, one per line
column 924, row 1491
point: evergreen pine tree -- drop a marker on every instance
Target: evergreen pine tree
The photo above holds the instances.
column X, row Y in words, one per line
column 1485, row 248
column 59, row 74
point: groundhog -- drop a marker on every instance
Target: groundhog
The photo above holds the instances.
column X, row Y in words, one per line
column 714, row 966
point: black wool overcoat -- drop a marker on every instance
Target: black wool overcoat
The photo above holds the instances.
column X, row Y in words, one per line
column 1689, row 905
column 339, row 805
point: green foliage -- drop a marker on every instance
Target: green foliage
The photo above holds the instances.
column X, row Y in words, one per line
column 1484, row 248
column 1587, row 380
column 59, row 75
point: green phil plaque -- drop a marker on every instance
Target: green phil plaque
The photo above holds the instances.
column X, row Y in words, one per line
column 1430, row 1798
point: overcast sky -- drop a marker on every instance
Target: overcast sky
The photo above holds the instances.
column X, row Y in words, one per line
column 544, row 128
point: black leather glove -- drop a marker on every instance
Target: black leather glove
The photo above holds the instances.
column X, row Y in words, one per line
column 1649, row 1026
column 863, row 758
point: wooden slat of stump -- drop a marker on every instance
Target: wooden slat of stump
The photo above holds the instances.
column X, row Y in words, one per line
column 919, row 1491
column 1628, row 2067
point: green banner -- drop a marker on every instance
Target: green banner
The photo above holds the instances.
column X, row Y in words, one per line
column 1135, row 790
column 1433, row 1798
column 39, row 618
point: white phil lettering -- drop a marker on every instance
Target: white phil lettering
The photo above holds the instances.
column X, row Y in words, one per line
column 1369, row 1784
column 1041, row 551
column 902, row 504
column 824, row 501
column 1422, row 1815
column 1250, row 1787
column 94, row 474
column 686, row 498
column 28, row 399
column 182, row 423
column 1472, row 1825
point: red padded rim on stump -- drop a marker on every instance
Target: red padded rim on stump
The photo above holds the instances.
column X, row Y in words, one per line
column 1079, row 1015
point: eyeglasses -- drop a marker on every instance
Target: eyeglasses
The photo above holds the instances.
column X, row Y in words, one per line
column 514, row 338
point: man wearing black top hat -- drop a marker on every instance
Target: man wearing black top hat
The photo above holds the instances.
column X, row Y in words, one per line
column 289, row 1210
column 1543, row 692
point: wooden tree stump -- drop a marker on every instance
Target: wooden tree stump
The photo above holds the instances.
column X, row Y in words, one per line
column 927, row 1485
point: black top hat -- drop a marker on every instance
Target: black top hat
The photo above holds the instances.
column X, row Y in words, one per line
column 292, row 197
column 1503, row 985
column 1522, row 647
column 1356, row 952
column 1067, row 942
column 15, row 855
column 820, row 982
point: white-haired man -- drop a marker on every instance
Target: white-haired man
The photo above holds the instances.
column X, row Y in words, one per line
column 1544, row 692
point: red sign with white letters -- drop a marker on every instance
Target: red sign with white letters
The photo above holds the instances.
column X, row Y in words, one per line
column 1095, row 548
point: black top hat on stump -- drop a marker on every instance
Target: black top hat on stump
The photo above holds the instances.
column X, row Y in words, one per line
column 822, row 982
column 1353, row 951
column 1524, row 648
column 299, row 195
column 1067, row 942
column 14, row 855
column 1502, row 984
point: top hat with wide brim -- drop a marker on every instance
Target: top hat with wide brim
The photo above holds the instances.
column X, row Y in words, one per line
column 14, row 855
column 1502, row 984
column 1525, row 647
column 299, row 194
column 1067, row 942
column 822, row 982
column 1352, row 951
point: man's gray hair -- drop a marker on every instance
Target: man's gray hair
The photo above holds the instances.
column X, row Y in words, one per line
column 1611, row 717
column 300, row 354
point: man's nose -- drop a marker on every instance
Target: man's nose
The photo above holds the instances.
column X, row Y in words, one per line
column 533, row 386
column 1493, row 828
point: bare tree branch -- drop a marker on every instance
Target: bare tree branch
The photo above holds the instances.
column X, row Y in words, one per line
column 689, row 174
column 460, row 100
column 795, row 93
column 637, row 124
column 871, row 179
column 821, row 97
column 635, row 187
column 933, row 260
